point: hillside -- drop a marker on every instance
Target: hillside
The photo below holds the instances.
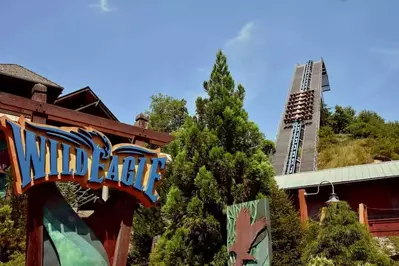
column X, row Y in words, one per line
column 350, row 138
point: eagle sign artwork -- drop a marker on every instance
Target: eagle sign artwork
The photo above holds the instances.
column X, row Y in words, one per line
column 249, row 233
column 42, row 153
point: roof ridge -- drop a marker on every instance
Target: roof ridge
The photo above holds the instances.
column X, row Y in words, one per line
column 33, row 75
column 39, row 75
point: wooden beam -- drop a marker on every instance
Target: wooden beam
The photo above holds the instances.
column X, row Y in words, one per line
column 73, row 118
column 34, row 227
column 87, row 105
column 361, row 213
column 303, row 208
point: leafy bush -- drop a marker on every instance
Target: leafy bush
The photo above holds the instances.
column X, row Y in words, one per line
column 342, row 239
column 320, row 261
column 16, row 259
column 12, row 227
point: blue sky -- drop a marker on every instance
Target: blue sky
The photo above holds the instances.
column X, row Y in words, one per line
column 128, row 50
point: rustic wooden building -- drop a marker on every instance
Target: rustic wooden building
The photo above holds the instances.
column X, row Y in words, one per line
column 373, row 185
column 19, row 81
column 108, row 228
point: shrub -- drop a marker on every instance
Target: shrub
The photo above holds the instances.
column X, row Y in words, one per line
column 342, row 239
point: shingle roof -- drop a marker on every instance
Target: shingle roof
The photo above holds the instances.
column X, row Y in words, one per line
column 349, row 174
column 20, row 72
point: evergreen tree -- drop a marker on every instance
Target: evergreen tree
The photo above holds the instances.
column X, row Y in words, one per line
column 167, row 114
column 219, row 160
column 342, row 239
column 12, row 226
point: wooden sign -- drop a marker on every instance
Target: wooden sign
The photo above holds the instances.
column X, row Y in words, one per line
column 249, row 233
column 42, row 153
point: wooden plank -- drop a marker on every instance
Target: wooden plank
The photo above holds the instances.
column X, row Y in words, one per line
column 74, row 118
column 384, row 227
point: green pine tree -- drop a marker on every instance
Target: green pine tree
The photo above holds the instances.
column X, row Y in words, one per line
column 167, row 114
column 342, row 239
column 220, row 158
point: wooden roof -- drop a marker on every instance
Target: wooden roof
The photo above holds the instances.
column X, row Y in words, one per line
column 19, row 80
column 20, row 72
column 86, row 101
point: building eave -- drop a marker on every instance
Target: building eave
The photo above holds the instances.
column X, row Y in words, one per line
column 342, row 175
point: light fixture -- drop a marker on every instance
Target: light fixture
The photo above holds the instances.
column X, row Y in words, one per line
column 333, row 196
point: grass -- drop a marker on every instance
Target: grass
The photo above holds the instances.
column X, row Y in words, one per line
column 345, row 152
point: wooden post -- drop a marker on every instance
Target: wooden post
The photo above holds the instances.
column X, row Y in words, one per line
column 361, row 213
column 125, row 231
column 366, row 218
column 303, row 208
column 142, row 121
column 123, row 240
column 323, row 215
column 34, row 227
column 363, row 217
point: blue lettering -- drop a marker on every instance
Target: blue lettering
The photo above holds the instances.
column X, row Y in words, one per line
column 31, row 162
column 154, row 176
column 65, row 159
column 128, row 171
column 138, row 183
column 31, row 157
column 96, row 166
column 81, row 162
column 113, row 171
column 53, row 157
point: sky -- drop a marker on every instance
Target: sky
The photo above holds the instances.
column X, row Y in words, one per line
column 128, row 50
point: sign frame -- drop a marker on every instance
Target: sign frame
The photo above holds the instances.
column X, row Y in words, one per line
column 43, row 153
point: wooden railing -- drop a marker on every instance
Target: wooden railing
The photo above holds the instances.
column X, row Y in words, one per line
column 377, row 225
column 381, row 226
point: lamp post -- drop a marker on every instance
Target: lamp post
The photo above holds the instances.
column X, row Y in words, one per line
column 333, row 196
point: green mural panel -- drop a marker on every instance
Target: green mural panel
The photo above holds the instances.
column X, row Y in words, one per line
column 249, row 239
column 68, row 240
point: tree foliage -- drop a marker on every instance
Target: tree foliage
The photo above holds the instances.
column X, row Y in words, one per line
column 320, row 261
column 12, row 227
column 342, row 239
column 218, row 160
column 347, row 138
column 167, row 114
